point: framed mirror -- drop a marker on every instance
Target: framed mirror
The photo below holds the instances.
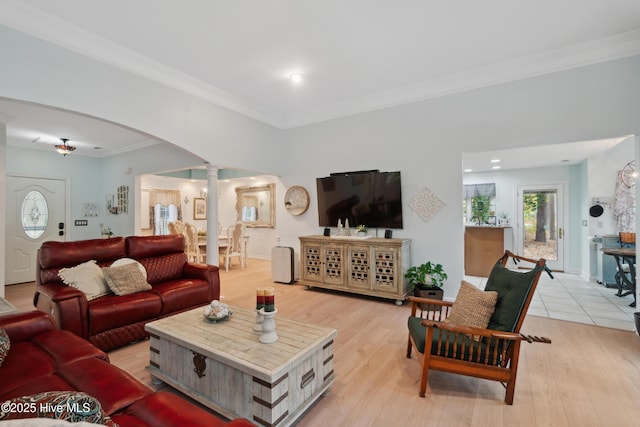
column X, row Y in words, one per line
column 255, row 206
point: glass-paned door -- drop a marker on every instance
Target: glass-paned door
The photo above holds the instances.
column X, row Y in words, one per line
column 540, row 226
column 35, row 213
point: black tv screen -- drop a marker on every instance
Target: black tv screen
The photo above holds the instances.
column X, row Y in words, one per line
column 373, row 199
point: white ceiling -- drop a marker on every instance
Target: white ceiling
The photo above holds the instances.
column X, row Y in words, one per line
column 570, row 153
column 38, row 127
column 354, row 55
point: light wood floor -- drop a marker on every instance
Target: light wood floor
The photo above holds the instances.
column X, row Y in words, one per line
column 588, row 376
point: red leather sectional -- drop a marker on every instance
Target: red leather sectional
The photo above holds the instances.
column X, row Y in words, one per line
column 112, row 321
column 43, row 358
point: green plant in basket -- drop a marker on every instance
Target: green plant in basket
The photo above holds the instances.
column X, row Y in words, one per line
column 426, row 275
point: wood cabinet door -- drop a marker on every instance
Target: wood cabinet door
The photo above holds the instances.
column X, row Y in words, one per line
column 385, row 270
column 333, row 264
column 359, row 266
column 312, row 262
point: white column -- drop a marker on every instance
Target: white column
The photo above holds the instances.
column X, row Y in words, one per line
column 636, row 152
column 3, row 190
column 212, row 215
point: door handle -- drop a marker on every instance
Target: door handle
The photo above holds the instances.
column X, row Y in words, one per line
column 560, row 233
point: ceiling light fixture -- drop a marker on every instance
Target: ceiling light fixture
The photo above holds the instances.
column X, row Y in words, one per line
column 64, row 148
column 296, row 77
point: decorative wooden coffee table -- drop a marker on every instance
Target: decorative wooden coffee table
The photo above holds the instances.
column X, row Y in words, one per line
column 223, row 365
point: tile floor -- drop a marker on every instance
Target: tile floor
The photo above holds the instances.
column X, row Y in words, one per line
column 569, row 297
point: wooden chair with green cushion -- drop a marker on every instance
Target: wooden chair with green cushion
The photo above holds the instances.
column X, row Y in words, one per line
column 479, row 333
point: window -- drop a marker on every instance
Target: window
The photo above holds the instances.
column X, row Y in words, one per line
column 479, row 202
column 34, row 214
column 163, row 216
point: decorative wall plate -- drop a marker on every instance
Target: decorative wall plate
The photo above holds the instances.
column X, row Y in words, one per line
column 426, row 204
column 296, row 200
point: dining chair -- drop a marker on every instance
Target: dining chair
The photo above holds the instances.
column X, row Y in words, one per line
column 234, row 245
column 176, row 227
column 627, row 240
column 192, row 247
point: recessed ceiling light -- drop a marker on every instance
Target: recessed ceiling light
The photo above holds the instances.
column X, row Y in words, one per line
column 495, row 167
column 296, row 77
column 468, row 170
column 495, row 161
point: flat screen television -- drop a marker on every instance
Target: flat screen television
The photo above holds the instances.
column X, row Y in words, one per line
column 371, row 198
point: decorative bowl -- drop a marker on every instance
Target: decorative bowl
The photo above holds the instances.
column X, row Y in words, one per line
column 217, row 311
column 214, row 319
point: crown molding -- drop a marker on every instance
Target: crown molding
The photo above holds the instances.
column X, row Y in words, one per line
column 32, row 21
column 39, row 24
column 601, row 50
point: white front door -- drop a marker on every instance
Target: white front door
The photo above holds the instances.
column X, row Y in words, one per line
column 540, row 229
column 36, row 212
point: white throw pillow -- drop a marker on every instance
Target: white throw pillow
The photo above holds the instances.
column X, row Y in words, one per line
column 87, row 277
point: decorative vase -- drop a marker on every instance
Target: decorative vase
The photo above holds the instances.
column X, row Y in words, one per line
column 268, row 335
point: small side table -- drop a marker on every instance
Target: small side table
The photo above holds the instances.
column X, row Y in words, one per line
column 6, row 306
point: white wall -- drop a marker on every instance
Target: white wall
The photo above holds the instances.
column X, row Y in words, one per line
column 602, row 173
column 187, row 188
column 507, row 183
column 424, row 140
column 261, row 240
column 93, row 178
column 37, row 71
column 85, row 175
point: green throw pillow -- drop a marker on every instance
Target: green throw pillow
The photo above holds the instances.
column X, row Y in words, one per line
column 512, row 288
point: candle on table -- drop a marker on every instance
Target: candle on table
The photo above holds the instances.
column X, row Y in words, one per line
column 269, row 299
column 259, row 298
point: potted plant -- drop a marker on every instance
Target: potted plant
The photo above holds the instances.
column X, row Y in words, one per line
column 427, row 279
column 106, row 232
column 361, row 230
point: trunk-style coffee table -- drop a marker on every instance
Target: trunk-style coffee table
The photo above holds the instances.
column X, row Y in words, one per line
column 223, row 365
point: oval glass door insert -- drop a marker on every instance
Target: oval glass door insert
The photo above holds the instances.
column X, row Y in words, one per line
column 35, row 214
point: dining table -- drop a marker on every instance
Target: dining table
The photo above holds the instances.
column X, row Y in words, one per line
column 625, row 256
column 222, row 243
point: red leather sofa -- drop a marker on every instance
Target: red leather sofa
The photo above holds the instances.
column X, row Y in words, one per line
column 112, row 321
column 43, row 358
